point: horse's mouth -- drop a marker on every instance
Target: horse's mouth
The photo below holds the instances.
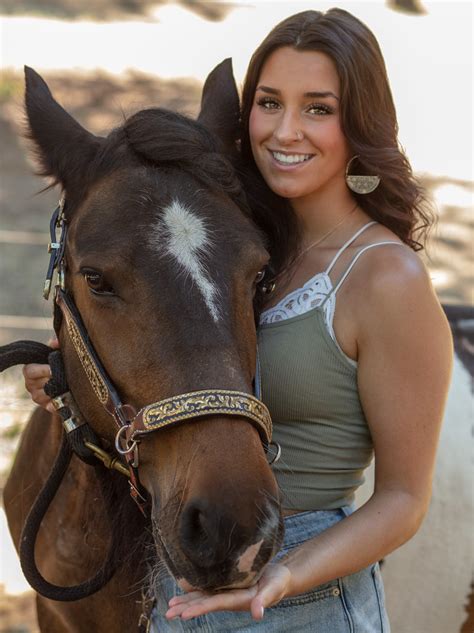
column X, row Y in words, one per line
column 189, row 577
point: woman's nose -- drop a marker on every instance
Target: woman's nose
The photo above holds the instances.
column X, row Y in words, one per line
column 288, row 130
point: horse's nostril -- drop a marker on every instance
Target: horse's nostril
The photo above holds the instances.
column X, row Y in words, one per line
column 196, row 523
column 199, row 534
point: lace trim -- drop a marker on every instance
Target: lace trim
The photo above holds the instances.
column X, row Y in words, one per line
column 303, row 299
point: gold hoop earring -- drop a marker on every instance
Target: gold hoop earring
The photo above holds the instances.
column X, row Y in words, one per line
column 361, row 184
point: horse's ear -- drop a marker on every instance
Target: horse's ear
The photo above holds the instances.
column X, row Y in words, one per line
column 64, row 148
column 220, row 104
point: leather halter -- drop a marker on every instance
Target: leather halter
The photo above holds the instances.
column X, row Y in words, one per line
column 132, row 425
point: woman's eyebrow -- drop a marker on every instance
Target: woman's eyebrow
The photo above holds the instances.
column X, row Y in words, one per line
column 320, row 95
column 311, row 95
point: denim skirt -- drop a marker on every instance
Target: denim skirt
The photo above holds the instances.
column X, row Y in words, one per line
column 353, row 604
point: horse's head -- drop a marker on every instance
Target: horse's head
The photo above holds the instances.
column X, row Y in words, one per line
column 161, row 262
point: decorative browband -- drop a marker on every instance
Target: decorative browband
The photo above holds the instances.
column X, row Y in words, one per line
column 199, row 403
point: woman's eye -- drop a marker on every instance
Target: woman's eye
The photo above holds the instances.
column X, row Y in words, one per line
column 268, row 103
column 97, row 283
column 319, row 108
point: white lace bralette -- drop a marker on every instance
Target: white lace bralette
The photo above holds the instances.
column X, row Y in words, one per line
column 303, row 299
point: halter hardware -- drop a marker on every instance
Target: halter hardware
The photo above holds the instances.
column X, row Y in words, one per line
column 56, row 249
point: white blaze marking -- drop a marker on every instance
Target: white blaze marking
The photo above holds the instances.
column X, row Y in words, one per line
column 246, row 559
column 183, row 235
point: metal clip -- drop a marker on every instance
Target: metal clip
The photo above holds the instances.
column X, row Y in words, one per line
column 110, row 462
column 46, row 289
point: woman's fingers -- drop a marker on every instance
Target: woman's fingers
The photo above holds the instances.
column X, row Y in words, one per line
column 35, row 371
column 36, row 376
column 271, row 588
column 185, row 597
column 192, row 607
column 53, row 342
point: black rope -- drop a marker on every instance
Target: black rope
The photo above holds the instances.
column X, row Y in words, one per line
column 57, row 384
column 30, row 532
column 22, row 352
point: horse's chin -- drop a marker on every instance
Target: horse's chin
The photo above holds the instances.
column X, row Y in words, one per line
column 214, row 579
column 251, row 580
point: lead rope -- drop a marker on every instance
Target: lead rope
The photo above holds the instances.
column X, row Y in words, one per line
column 20, row 353
column 30, row 534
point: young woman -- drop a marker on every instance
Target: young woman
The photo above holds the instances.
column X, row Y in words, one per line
column 355, row 350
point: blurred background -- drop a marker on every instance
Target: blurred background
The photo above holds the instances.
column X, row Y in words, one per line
column 105, row 59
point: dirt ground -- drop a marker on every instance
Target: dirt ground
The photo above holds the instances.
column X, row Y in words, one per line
column 99, row 102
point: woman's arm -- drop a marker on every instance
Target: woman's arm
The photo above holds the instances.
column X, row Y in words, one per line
column 404, row 369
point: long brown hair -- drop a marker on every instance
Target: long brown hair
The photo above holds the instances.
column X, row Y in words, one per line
column 368, row 121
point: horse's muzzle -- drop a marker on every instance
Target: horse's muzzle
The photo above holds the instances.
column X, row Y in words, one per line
column 210, row 549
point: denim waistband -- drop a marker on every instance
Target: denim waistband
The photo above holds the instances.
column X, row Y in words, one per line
column 305, row 525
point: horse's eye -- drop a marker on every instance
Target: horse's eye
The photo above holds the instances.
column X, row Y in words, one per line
column 97, row 283
column 260, row 276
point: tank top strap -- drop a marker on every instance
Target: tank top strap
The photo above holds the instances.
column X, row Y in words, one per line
column 343, row 277
column 346, row 244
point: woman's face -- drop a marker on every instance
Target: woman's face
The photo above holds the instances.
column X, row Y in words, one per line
column 295, row 128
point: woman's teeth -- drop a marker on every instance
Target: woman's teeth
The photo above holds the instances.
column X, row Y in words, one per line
column 290, row 159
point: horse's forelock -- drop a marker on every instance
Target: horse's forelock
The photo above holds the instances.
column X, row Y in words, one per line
column 162, row 137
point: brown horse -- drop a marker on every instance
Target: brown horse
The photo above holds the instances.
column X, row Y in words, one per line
column 161, row 261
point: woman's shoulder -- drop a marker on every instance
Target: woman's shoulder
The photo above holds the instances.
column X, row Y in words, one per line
column 397, row 288
column 390, row 273
column 398, row 305
column 388, row 263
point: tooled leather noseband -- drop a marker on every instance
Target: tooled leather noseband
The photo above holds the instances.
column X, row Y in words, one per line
column 132, row 426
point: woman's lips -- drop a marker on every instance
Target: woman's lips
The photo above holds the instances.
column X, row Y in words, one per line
column 289, row 161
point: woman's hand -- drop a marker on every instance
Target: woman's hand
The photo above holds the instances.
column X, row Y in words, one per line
column 270, row 589
column 36, row 376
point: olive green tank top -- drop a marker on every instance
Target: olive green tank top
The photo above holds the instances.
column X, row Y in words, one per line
column 310, row 388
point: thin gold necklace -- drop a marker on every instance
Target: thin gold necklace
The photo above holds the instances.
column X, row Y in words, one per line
column 325, row 236
column 270, row 287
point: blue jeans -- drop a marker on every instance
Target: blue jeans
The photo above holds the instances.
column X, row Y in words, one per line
column 353, row 604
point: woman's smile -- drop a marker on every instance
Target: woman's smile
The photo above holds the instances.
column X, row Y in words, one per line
column 289, row 160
